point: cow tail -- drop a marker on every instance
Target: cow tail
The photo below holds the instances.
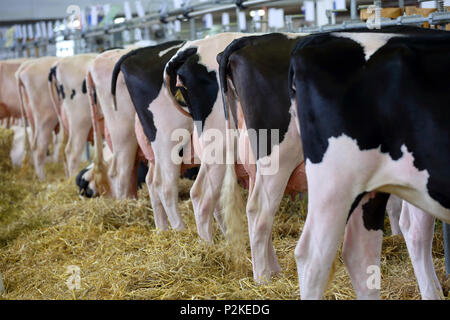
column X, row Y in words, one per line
column 115, row 74
column 231, row 199
column 223, row 61
column 57, row 107
column 52, row 83
column 27, row 148
column 99, row 171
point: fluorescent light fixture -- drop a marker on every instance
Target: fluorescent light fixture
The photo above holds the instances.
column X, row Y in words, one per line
column 119, row 20
column 259, row 12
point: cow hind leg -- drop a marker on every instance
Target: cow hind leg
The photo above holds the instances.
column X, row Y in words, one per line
column 75, row 147
column 262, row 206
column 394, row 207
column 362, row 244
column 417, row 227
column 165, row 182
column 122, row 169
column 57, row 139
column 43, row 139
column 205, row 193
column 321, row 236
column 73, row 151
column 159, row 214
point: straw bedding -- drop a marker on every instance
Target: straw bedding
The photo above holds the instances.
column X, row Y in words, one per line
column 46, row 227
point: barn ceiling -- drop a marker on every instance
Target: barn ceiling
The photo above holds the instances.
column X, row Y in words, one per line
column 24, row 10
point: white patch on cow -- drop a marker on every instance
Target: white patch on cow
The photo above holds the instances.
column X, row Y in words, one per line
column 345, row 172
column 370, row 42
column 291, row 35
column 162, row 53
column 377, row 172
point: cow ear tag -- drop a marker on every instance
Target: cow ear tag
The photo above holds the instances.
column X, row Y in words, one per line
column 179, row 97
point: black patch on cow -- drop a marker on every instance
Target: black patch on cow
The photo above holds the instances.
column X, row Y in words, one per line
column 172, row 68
column 374, row 211
column 398, row 97
column 83, row 87
column 202, row 88
column 200, row 85
column 141, row 174
column 355, row 204
column 83, row 185
column 72, row 94
column 143, row 73
column 52, row 73
column 61, row 91
column 51, row 76
column 94, row 96
column 191, row 173
column 258, row 67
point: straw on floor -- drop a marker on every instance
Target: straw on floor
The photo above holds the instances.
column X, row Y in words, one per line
column 45, row 227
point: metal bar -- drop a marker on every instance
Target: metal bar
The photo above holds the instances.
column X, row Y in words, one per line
column 210, row 10
column 238, row 27
column 353, row 10
column 434, row 18
column 192, row 29
column 230, row 7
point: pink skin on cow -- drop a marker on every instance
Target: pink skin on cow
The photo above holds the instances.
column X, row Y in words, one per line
column 18, row 147
column 75, row 115
column 121, row 134
column 9, row 98
column 32, row 81
column 417, row 227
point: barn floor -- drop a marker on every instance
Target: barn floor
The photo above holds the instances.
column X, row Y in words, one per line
column 46, row 227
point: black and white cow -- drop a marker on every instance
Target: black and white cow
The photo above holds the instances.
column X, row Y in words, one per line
column 156, row 121
column 192, row 81
column 85, row 184
column 374, row 117
column 254, row 80
column 253, row 75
